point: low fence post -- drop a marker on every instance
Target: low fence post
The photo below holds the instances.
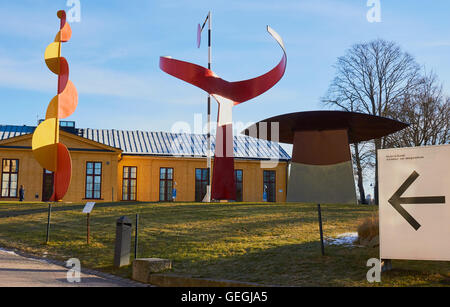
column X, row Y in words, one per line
column 321, row 229
column 136, row 237
column 48, row 223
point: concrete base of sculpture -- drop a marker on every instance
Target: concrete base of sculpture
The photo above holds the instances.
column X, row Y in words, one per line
column 143, row 267
column 325, row 184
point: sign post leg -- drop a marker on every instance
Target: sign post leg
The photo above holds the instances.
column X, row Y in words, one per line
column 136, row 236
column 48, row 223
column 88, row 233
column 321, row 229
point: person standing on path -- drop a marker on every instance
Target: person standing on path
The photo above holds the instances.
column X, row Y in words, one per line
column 21, row 193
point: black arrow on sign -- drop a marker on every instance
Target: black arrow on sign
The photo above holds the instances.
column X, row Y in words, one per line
column 396, row 200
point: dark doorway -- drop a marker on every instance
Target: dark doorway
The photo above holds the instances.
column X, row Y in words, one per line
column 201, row 182
column 166, row 184
column 47, row 185
column 239, row 178
column 270, row 185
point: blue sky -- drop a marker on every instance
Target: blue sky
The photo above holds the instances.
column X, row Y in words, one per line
column 114, row 54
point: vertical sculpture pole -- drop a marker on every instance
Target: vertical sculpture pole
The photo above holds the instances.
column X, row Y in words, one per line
column 47, row 150
column 227, row 94
column 209, row 193
column 207, row 197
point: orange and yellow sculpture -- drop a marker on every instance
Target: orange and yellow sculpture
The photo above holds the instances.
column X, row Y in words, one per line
column 48, row 151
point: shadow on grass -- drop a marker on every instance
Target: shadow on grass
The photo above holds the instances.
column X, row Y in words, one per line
column 287, row 265
column 61, row 208
column 303, row 265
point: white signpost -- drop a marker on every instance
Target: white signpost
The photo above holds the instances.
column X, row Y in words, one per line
column 414, row 196
column 88, row 209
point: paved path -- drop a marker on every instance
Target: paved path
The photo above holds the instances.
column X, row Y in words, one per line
column 19, row 271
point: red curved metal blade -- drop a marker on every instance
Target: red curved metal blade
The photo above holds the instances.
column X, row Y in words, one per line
column 63, row 77
column 62, row 15
column 227, row 94
column 63, row 174
column 208, row 81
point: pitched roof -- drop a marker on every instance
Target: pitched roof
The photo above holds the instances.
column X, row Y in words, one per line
column 163, row 143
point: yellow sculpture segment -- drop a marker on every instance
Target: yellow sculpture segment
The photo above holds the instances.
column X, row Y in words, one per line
column 52, row 55
column 52, row 155
column 44, row 144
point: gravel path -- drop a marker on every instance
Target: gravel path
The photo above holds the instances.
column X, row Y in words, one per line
column 20, row 271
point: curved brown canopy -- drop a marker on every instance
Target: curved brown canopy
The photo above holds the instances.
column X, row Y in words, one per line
column 360, row 127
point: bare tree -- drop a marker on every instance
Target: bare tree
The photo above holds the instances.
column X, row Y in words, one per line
column 370, row 78
column 362, row 156
column 428, row 113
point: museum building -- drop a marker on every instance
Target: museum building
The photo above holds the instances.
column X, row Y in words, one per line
column 119, row 165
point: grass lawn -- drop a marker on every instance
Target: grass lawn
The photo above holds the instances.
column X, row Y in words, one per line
column 272, row 244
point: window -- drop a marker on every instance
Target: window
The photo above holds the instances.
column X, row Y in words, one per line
column 62, row 123
column 93, row 180
column 129, row 183
column 10, row 178
column 68, row 124
column 201, row 183
column 270, row 185
column 165, row 184
column 239, row 178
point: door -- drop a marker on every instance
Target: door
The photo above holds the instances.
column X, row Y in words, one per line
column 166, row 184
column 129, row 183
column 239, row 178
column 47, row 185
column 201, row 182
column 270, row 185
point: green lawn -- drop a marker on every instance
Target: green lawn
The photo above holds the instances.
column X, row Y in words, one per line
column 272, row 244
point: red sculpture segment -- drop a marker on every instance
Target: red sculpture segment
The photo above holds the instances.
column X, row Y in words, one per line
column 227, row 95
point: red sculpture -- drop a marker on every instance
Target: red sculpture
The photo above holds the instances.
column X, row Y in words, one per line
column 47, row 149
column 227, row 95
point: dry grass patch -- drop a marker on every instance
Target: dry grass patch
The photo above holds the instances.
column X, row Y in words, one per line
column 369, row 228
column 266, row 243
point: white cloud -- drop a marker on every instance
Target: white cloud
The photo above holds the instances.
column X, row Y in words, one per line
column 25, row 75
column 33, row 75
